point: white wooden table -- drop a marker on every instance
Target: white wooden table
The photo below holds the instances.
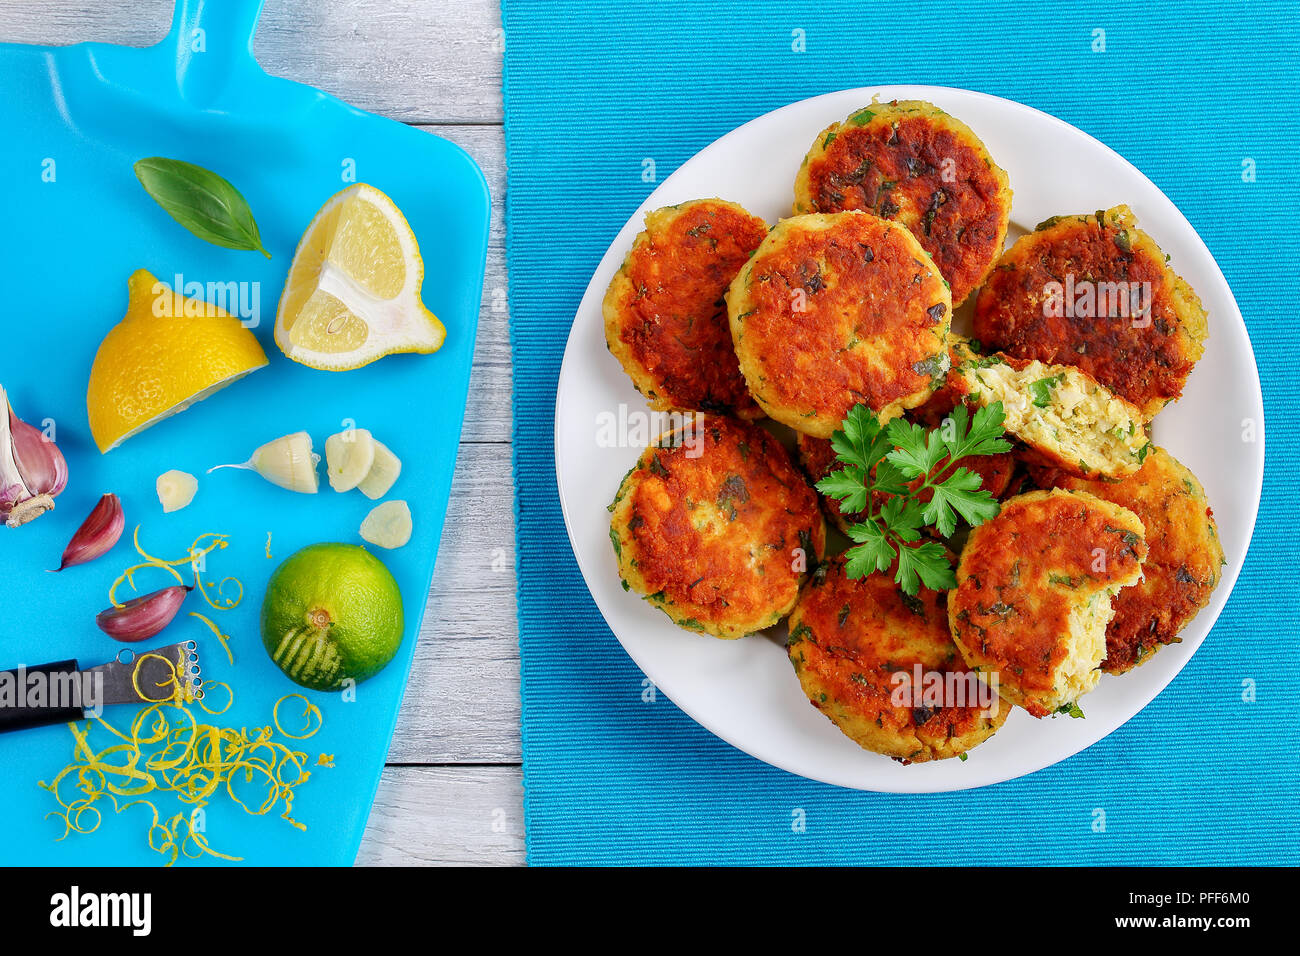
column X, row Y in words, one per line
column 452, row 791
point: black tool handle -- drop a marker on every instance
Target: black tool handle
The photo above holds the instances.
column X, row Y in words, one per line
column 39, row 696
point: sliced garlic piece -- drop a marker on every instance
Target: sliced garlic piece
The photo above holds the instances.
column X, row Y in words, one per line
column 388, row 525
column 383, row 473
column 348, row 457
column 176, row 489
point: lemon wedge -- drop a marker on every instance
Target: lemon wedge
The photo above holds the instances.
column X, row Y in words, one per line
column 353, row 291
column 167, row 353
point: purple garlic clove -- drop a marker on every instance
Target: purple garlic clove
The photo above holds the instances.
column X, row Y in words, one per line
column 141, row 618
column 97, row 534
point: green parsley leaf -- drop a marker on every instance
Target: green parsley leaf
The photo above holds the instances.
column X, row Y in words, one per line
column 918, row 451
column 959, row 494
column 848, row 486
column 902, row 479
column 887, row 479
column 929, row 563
column 873, row 551
column 1042, row 390
column 861, row 442
column 985, row 434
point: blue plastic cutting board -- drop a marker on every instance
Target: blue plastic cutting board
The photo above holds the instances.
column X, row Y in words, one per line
column 74, row 120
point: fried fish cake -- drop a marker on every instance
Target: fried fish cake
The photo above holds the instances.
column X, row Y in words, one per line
column 911, row 162
column 665, row 317
column 1182, row 566
column 883, row 667
column 837, row 310
column 1064, row 416
column 1034, row 591
column 716, row 527
column 1096, row 292
column 819, row 460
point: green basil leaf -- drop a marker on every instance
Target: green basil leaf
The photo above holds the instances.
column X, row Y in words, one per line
column 201, row 201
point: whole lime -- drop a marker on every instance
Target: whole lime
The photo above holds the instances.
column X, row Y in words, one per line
column 332, row 613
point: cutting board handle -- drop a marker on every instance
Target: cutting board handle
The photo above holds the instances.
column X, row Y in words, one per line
column 212, row 40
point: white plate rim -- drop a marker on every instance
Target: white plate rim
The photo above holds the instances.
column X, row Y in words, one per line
column 662, row 679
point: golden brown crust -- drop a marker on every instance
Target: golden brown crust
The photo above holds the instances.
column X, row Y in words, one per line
column 848, row 640
column 1023, row 579
column 719, row 530
column 1183, row 564
column 665, row 317
column 911, row 162
column 1064, row 294
column 833, row 311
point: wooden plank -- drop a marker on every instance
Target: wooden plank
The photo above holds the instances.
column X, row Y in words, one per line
column 462, row 698
column 488, row 413
column 61, row 22
column 430, row 816
column 488, row 410
column 487, row 145
column 416, row 61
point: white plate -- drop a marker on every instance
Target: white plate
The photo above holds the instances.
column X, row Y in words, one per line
column 745, row 691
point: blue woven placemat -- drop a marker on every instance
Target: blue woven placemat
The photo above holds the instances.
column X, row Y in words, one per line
column 1186, row 91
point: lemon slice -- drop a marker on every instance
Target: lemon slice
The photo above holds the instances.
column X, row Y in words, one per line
column 353, row 291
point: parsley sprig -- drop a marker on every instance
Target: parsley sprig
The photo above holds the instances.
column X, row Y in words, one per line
column 888, row 461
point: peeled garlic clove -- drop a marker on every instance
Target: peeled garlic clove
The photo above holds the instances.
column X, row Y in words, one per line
column 32, row 469
column 348, row 457
column 388, row 525
column 176, row 489
column 288, row 462
column 141, row 618
column 97, row 534
column 383, row 473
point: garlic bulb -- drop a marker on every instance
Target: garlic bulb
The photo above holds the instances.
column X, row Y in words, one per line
column 32, row 469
